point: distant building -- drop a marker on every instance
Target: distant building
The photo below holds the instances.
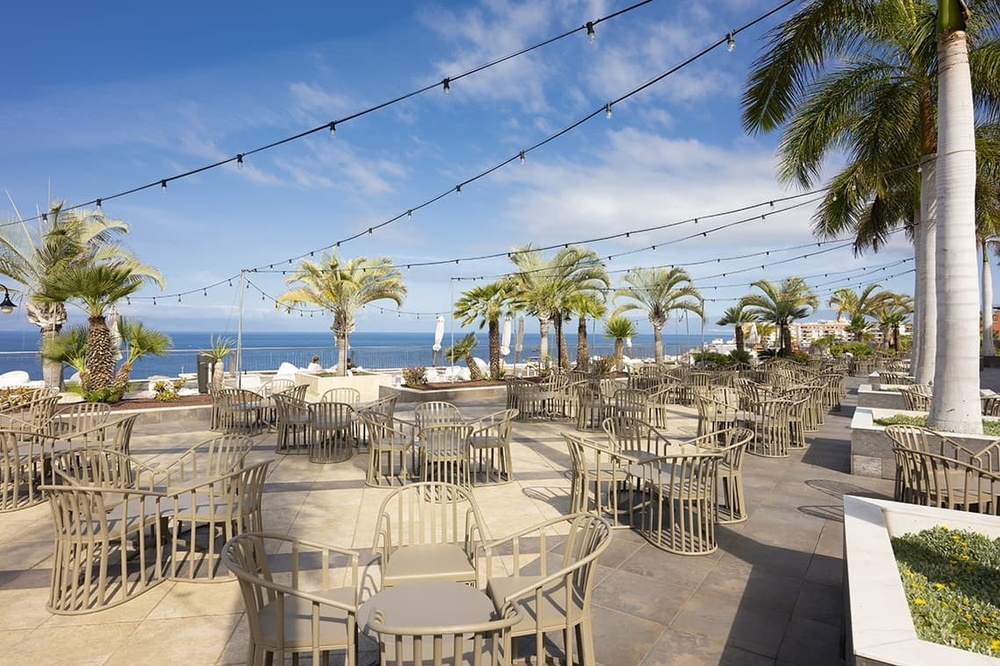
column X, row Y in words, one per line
column 803, row 333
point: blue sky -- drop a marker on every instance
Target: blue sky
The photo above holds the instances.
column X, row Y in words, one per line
column 105, row 97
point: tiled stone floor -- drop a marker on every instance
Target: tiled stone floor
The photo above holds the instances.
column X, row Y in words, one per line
column 771, row 594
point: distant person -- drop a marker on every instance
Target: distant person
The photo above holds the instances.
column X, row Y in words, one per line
column 350, row 363
column 315, row 365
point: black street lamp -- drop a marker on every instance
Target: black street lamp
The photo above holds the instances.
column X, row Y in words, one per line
column 6, row 305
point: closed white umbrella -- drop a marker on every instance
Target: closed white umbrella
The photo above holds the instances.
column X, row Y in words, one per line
column 438, row 337
column 519, row 344
column 753, row 339
column 505, row 337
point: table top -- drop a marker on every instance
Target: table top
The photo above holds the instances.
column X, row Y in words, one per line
column 428, row 604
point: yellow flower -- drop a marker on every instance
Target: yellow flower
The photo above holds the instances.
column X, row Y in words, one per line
column 939, row 586
column 995, row 644
column 919, row 602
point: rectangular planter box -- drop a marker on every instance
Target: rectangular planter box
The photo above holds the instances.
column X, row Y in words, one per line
column 368, row 384
column 879, row 626
column 871, row 448
column 479, row 393
column 869, row 396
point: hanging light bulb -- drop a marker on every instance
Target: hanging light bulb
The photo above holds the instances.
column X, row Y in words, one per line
column 206, row 292
column 458, row 190
column 99, row 206
column 45, row 217
column 154, row 300
column 607, row 110
column 730, row 42
column 446, row 83
column 409, row 214
column 178, row 298
column 521, row 157
column 591, row 35
column 163, row 185
column 239, row 161
column 333, row 129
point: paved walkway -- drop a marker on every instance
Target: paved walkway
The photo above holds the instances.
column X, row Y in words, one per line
column 771, row 594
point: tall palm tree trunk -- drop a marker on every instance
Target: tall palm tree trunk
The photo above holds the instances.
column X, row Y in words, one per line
column 658, row 341
column 561, row 352
column 49, row 318
column 925, row 330
column 987, row 302
column 956, row 406
column 582, row 350
column 343, row 344
column 543, row 332
column 739, row 338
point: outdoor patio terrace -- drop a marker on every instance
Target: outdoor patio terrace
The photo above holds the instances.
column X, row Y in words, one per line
column 771, row 594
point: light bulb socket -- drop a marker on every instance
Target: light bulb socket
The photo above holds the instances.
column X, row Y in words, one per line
column 239, row 161
column 333, row 128
column 730, row 42
column 163, row 185
column 591, row 35
column 607, row 110
column 446, row 84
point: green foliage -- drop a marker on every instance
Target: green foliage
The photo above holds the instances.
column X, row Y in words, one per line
column 602, row 366
column 951, row 579
column 415, row 375
column 858, row 349
column 738, row 356
column 713, row 358
column 69, row 347
column 109, row 394
column 219, row 347
column 15, row 396
column 991, row 427
column 619, row 328
column 167, row 390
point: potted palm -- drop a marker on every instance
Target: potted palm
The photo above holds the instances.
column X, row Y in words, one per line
column 463, row 350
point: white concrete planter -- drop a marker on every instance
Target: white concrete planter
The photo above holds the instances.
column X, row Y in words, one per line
column 879, row 626
column 871, row 448
column 879, row 398
column 319, row 383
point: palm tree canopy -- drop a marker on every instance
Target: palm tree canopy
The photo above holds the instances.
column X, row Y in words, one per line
column 343, row 286
column 96, row 286
column 859, row 304
column 658, row 291
column 782, row 303
column 544, row 287
column 737, row 314
column 484, row 303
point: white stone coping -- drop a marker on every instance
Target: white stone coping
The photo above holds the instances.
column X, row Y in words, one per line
column 881, row 628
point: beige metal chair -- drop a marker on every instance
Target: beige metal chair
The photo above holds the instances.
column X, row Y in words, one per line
column 108, row 546
column 917, row 397
column 35, row 415
column 437, row 412
column 681, row 511
column 300, row 596
column 489, row 447
column 291, row 424
column 331, row 432
column 207, row 514
column 25, row 458
column 80, row 417
column 772, row 428
column 390, row 444
column 444, row 452
column 428, row 531
column 658, row 406
column 935, row 480
column 215, row 456
column 241, row 411
column 634, row 438
column 351, row 396
column 918, row 438
column 277, row 385
column 599, row 482
column 474, row 643
column 732, row 444
column 551, row 587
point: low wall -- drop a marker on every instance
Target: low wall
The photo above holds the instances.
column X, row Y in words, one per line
column 879, row 627
column 199, row 414
column 871, row 448
column 869, row 396
column 457, row 395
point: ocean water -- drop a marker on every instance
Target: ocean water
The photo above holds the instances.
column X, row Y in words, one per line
column 266, row 351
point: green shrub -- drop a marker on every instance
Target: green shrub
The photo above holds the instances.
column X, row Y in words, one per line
column 951, row 579
column 713, row 358
column 737, row 356
column 415, row 375
column 858, row 349
column 109, row 394
column 991, row 427
column 167, row 390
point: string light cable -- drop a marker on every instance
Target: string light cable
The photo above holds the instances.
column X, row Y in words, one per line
column 332, row 125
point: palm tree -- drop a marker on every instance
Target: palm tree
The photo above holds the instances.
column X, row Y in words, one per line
column 31, row 256
column 620, row 328
column 342, row 286
column 97, row 286
column 486, row 304
column 659, row 291
column 737, row 316
column 463, row 350
column 585, row 306
column 876, row 101
column 781, row 305
column 955, row 405
column 890, row 315
column 546, row 287
column 858, row 305
column 139, row 341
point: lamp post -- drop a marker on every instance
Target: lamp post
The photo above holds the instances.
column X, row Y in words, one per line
column 6, row 305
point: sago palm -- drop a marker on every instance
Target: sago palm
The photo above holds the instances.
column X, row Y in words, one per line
column 737, row 316
column 658, row 292
column 462, row 350
column 343, row 286
column 31, row 256
column 585, row 306
column 139, row 341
